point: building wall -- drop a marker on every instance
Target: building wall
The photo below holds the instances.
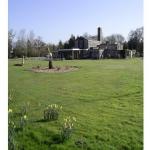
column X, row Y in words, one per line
column 120, row 46
column 81, row 43
column 110, row 53
column 117, row 46
column 93, row 43
column 91, row 54
column 112, row 46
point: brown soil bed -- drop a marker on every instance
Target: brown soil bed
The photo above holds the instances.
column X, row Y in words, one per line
column 54, row 69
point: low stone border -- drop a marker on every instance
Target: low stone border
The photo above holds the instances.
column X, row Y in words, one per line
column 55, row 69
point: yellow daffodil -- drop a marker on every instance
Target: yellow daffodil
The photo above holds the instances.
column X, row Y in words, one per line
column 10, row 110
column 25, row 117
column 65, row 125
column 65, row 120
column 74, row 118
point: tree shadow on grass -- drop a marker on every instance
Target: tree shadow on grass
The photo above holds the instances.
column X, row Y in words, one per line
column 18, row 129
column 17, row 114
column 56, row 139
column 18, row 65
column 42, row 120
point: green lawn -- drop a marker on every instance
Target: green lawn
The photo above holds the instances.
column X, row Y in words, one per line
column 106, row 97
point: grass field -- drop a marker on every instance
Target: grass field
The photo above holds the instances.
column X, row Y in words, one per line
column 106, row 97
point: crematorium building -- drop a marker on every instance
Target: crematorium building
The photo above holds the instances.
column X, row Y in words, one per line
column 91, row 48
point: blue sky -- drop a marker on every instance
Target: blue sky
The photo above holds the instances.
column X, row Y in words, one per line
column 56, row 20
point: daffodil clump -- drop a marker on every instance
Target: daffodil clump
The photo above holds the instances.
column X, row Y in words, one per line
column 9, row 110
column 10, row 95
column 23, row 111
column 11, row 130
column 11, row 134
column 10, row 117
column 11, row 124
column 52, row 112
column 67, row 127
column 23, row 121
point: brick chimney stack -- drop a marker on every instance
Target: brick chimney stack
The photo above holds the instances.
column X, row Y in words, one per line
column 99, row 34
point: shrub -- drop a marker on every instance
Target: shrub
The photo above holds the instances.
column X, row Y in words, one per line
column 14, row 124
column 81, row 143
column 11, row 130
column 11, row 135
column 22, row 120
column 67, row 128
column 23, row 111
column 11, row 124
column 52, row 112
column 10, row 96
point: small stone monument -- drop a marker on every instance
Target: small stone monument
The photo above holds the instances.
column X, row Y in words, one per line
column 131, row 54
column 22, row 60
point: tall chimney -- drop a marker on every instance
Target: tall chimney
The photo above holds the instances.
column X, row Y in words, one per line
column 99, row 34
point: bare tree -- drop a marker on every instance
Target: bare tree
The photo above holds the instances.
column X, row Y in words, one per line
column 86, row 35
column 114, row 38
column 21, row 44
column 30, row 43
column 136, row 40
column 119, row 38
column 38, row 44
column 11, row 36
column 31, row 36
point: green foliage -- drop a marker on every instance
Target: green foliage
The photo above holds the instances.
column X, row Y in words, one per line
column 11, row 124
column 81, row 143
column 136, row 40
column 11, row 93
column 22, row 117
column 22, row 122
column 52, row 112
column 67, row 128
column 60, row 45
column 70, row 43
column 11, row 132
column 23, row 110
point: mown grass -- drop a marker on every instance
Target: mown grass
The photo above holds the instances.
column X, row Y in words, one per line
column 106, row 97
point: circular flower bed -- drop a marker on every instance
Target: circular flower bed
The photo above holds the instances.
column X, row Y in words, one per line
column 54, row 69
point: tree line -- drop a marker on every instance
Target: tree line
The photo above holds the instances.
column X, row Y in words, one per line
column 135, row 40
column 28, row 45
